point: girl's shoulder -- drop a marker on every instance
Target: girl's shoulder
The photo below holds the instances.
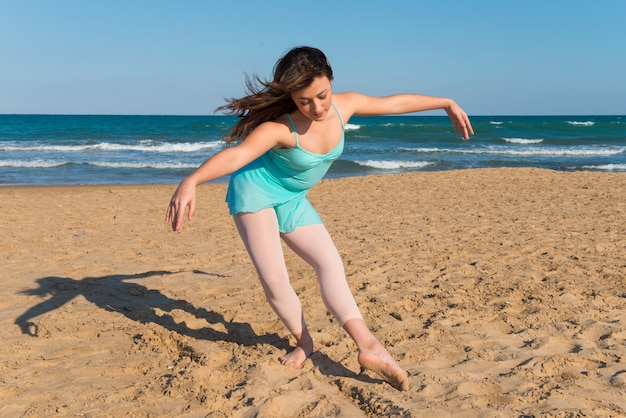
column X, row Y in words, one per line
column 348, row 102
column 279, row 130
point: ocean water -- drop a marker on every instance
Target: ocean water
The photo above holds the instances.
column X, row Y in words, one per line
column 83, row 149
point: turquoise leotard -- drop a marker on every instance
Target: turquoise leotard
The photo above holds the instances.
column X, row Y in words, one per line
column 280, row 179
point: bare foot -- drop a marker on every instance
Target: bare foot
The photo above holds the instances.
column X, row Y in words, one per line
column 298, row 356
column 380, row 362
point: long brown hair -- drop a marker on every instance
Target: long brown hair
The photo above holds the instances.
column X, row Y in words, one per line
column 268, row 100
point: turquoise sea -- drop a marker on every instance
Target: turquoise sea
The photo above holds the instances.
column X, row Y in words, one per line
column 83, row 149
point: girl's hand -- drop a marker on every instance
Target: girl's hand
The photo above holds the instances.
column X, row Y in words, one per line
column 185, row 195
column 462, row 125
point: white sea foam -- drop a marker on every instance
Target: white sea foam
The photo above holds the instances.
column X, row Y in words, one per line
column 393, row 165
column 607, row 167
column 143, row 146
column 159, row 166
column 555, row 152
column 534, row 151
column 41, row 163
column 586, row 123
column 352, row 127
column 37, row 163
column 523, row 141
column 496, row 123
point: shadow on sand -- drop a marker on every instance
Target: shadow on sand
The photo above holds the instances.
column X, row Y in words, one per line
column 116, row 293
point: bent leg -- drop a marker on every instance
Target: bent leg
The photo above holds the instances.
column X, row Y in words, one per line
column 259, row 232
column 314, row 244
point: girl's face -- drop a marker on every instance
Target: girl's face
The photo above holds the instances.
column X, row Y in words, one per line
column 315, row 100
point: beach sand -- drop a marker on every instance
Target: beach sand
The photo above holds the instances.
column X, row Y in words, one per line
column 501, row 291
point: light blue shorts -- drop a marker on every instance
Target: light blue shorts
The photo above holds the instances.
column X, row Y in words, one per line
column 253, row 189
column 297, row 212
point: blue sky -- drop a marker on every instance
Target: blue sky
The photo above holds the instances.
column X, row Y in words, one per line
column 501, row 57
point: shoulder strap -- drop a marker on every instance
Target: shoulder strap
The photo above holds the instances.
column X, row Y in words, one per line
column 293, row 126
column 343, row 125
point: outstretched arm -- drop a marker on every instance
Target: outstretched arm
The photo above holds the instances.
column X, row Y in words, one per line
column 363, row 105
column 264, row 137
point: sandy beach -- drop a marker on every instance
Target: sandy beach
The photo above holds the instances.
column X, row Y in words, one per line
column 501, row 291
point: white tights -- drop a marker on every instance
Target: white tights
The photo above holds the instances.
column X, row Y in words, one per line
column 261, row 237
